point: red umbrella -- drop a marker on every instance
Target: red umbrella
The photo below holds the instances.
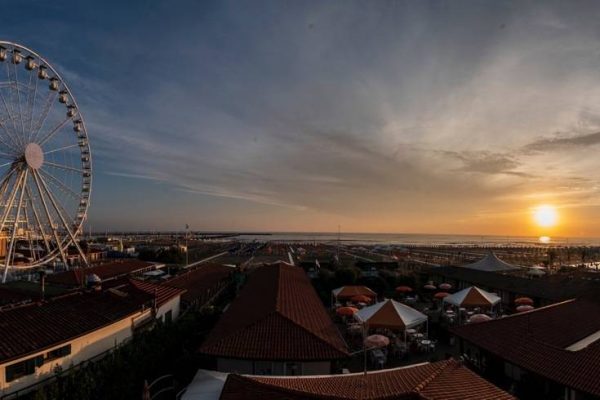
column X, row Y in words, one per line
column 479, row 318
column 359, row 298
column 524, row 301
column 376, row 341
column 430, row 287
column 441, row 295
column 404, row 289
column 445, row 286
column 524, row 308
column 346, row 311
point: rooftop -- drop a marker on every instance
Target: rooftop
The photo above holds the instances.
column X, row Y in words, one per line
column 542, row 341
column 277, row 316
column 110, row 270
column 448, row 380
column 200, row 280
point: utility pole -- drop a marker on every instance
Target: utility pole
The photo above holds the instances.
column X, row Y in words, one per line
column 187, row 249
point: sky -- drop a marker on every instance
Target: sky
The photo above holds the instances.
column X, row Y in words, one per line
column 414, row 117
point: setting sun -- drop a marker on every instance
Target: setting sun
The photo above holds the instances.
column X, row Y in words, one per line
column 545, row 216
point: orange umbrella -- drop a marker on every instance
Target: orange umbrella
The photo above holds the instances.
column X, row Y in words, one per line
column 404, row 289
column 445, row 286
column 479, row 318
column 346, row 311
column 441, row 295
column 361, row 299
column 524, row 301
column 524, row 308
column 429, row 287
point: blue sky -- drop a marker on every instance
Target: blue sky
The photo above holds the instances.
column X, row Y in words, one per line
column 379, row 116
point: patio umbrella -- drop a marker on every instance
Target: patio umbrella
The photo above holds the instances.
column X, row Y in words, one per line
column 445, row 286
column 441, row 295
column 346, row 311
column 479, row 318
column 524, row 308
column 376, row 341
column 429, row 287
column 404, row 289
column 524, row 301
column 361, row 299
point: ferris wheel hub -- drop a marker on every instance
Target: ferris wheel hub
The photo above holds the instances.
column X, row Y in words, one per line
column 34, row 156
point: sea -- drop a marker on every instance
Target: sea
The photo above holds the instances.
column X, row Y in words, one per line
column 418, row 239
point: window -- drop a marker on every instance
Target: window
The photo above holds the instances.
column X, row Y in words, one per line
column 263, row 368
column 58, row 353
column 23, row 368
column 292, row 368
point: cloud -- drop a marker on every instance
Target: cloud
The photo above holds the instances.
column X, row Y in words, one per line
column 559, row 143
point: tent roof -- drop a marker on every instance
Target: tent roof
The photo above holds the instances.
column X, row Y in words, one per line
column 491, row 263
column 472, row 297
column 391, row 314
column 351, row 291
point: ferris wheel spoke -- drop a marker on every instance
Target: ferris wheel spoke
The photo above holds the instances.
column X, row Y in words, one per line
column 62, row 148
column 57, row 182
column 16, row 142
column 44, row 114
column 53, row 131
column 12, row 108
column 37, row 220
column 65, row 167
column 11, row 246
column 8, row 206
column 58, row 207
column 50, row 221
column 30, row 101
column 19, row 100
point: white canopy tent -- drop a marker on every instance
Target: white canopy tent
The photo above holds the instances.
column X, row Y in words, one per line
column 472, row 297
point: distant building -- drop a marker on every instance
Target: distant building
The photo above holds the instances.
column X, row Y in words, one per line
column 276, row 326
column 548, row 353
column 40, row 337
column 202, row 283
column 543, row 291
column 443, row 380
column 106, row 271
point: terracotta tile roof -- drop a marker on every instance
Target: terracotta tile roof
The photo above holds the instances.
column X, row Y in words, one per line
column 162, row 292
column 537, row 341
column 36, row 326
column 277, row 316
column 447, row 380
column 201, row 282
column 111, row 270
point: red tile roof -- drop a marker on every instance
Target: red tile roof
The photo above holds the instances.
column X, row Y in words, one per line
column 37, row 326
column 111, row 270
column 201, row 282
column 537, row 341
column 162, row 292
column 277, row 316
column 447, row 380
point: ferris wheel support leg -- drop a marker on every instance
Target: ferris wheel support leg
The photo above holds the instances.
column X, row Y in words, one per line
column 63, row 220
column 58, row 243
column 38, row 221
column 11, row 247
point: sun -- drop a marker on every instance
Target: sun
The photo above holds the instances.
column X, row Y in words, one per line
column 545, row 216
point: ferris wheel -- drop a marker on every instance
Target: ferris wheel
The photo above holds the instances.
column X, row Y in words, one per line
column 45, row 163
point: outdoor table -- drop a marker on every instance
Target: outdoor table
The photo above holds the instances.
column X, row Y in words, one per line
column 411, row 331
column 419, row 335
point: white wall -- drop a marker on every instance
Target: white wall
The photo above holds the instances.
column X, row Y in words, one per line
column 82, row 349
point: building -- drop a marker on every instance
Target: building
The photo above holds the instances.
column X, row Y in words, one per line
column 544, row 291
column 551, row 352
column 444, row 380
column 111, row 270
column 276, row 326
column 41, row 337
column 203, row 283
